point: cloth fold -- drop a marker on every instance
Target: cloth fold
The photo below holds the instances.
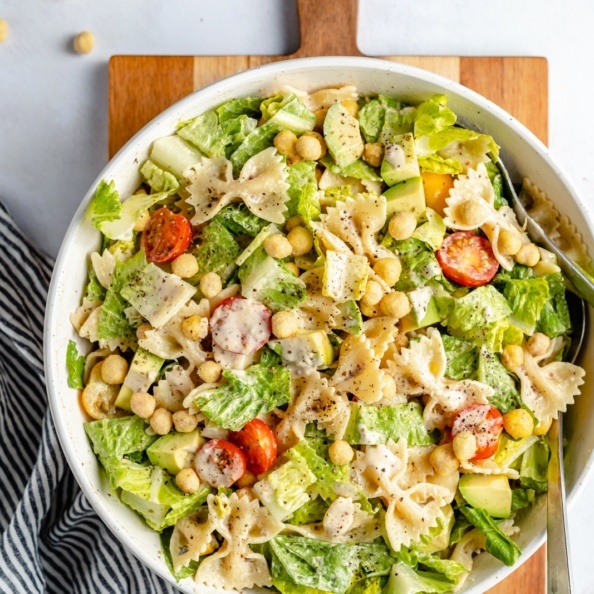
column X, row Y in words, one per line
column 51, row 539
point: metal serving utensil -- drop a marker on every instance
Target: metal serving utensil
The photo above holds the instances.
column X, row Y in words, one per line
column 558, row 568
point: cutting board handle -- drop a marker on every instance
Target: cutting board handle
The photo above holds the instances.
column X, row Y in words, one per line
column 327, row 28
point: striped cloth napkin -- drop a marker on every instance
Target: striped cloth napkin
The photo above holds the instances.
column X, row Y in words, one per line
column 51, row 540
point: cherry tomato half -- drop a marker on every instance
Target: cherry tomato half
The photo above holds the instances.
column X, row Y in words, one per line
column 240, row 326
column 166, row 236
column 468, row 259
column 219, row 463
column 258, row 443
column 485, row 423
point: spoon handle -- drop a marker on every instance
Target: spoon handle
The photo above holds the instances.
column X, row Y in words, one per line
column 558, row 571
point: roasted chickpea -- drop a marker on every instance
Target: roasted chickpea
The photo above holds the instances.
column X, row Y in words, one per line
column 464, row 445
column 395, row 304
column 184, row 422
column 293, row 268
column 193, row 327
column 389, row 270
column 3, row 30
column 285, row 142
column 211, row 284
column 143, row 404
column 512, row 356
column 320, row 117
column 518, row 423
column 301, row 241
column 278, row 246
column 284, row 324
column 538, row 344
column 340, row 452
column 142, row 330
column 373, row 153
column 84, row 42
column 402, row 225
column 470, row 213
column 209, row 372
column 161, row 421
column 373, row 293
column 185, row 266
column 443, row 460
column 509, row 242
column 187, row 480
column 528, row 255
column 294, row 221
column 309, row 148
column 248, row 479
column 114, row 369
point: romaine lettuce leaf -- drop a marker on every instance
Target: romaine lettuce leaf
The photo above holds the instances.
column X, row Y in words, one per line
column 249, row 106
column 478, row 308
column 526, row 299
column 435, row 163
column 188, row 570
column 105, row 205
column 497, row 183
column 302, row 190
column 120, row 436
column 433, row 116
column 205, row 133
column 472, row 141
column 554, row 316
column 94, row 290
column 266, row 280
column 237, row 219
column 451, row 570
column 534, row 467
column 257, row 242
column 461, row 356
column 310, row 512
column 419, row 264
column 371, row 120
column 75, row 364
column 217, row 251
column 492, row 372
column 127, row 474
column 237, row 130
column 509, row 450
column 432, row 231
column 245, row 395
column 522, row 498
column 500, row 545
column 357, row 169
column 372, row 425
column 287, row 112
column 405, row 580
column 255, row 142
column 397, row 120
column 158, row 179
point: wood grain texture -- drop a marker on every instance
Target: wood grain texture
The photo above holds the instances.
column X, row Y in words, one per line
column 140, row 87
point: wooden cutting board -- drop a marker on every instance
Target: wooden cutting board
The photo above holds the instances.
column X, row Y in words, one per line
column 141, row 87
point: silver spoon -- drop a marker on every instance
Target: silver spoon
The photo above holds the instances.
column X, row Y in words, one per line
column 558, row 568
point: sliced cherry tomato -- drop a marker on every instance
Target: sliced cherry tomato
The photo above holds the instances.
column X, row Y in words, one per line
column 485, row 423
column 468, row 259
column 166, row 236
column 219, row 463
column 240, row 325
column 258, row 443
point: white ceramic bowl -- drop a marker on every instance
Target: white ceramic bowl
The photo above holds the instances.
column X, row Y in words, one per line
column 522, row 153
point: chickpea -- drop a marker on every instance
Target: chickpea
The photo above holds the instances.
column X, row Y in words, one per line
column 395, row 304
column 402, row 225
column 340, row 452
column 373, row 293
column 187, row 480
column 184, row 422
column 211, row 285
column 192, row 328
column 143, row 404
column 301, row 240
column 470, row 213
column 351, row 106
column 284, row 142
column 247, row 480
column 373, row 153
column 509, row 242
column 278, row 246
column 512, row 356
column 310, row 148
column 389, row 270
column 292, row 222
column 284, row 324
column 320, row 117
column 293, row 268
column 84, row 42
column 388, row 386
column 294, row 158
column 529, row 255
column 114, row 369
column 161, row 421
column 371, row 311
column 320, row 138
column 142, row 220
column 443, row 460
column 518, row 423
column 3, row 30
column 185, row 266
column 209, row 372
column 538, row 344
column 142, row 330
column 464, row 445
column 542, row 427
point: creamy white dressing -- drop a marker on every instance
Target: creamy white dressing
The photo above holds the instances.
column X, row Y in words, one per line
column 395, row 156
column 232, row 361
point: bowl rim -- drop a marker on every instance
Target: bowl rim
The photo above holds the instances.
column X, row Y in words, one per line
column 235, row 81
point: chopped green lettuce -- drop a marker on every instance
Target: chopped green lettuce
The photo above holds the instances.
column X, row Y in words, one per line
column 105, row 205
column 245, row 395
column 257, row 242
column 237, row 219
column 310, row 512
column 526, row 298
column 237, row 131
column 432, row 231
column 288, row 113
column 492, row 372
column 371, row 120
column 119, row 436
column 522, row 498
column 186, row 571
column 127, row 474
column 435, row 163
column 312, row 563
column 461, row 356
column 416, row 559
column 158, row 179
column 372, row 425
column 175, row 155
column 217, row 251
column 302, row 181
column 262, row 137
column 500, row 545
column 249, row 106
column 205, row 133
column 510, row 450
column 94, row 291
column 554, row 316
column 75, row 364
column 534, row 467
column 357, row 169
column 406, row 580
column 497, row 183
column 266, row 280
column 397, row 120
column 419, row 264
column 433, row 116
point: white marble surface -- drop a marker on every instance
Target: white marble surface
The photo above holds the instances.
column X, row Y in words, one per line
column 53, row 103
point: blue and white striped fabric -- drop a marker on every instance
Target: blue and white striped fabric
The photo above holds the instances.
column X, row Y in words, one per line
column 51, row 540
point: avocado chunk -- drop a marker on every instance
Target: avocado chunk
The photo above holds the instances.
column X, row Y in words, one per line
column 407, row 196
column 400, row 160
column 490, row 492
column 311, row 349
column 175, row 451
column 409, row 321
column 342, row 135
column 143, row 372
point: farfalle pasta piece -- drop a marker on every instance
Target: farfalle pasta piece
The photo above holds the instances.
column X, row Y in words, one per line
column 261, row 185
column 171, row 391
column 104, row 265
column 315, row 402
column 357, row 221
column 487, row 466
column 381, row 332
column 192, row 537
column 547, row 390
column 324, row 98
column 358, row 370
column 241, row 523
column 82, row 312
column 469, row 153
column 170, row 342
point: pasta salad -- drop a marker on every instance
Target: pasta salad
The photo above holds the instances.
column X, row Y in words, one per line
column 325, row 355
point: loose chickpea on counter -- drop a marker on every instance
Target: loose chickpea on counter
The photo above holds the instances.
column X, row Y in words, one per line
column 3, row 30
column 84, row 42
